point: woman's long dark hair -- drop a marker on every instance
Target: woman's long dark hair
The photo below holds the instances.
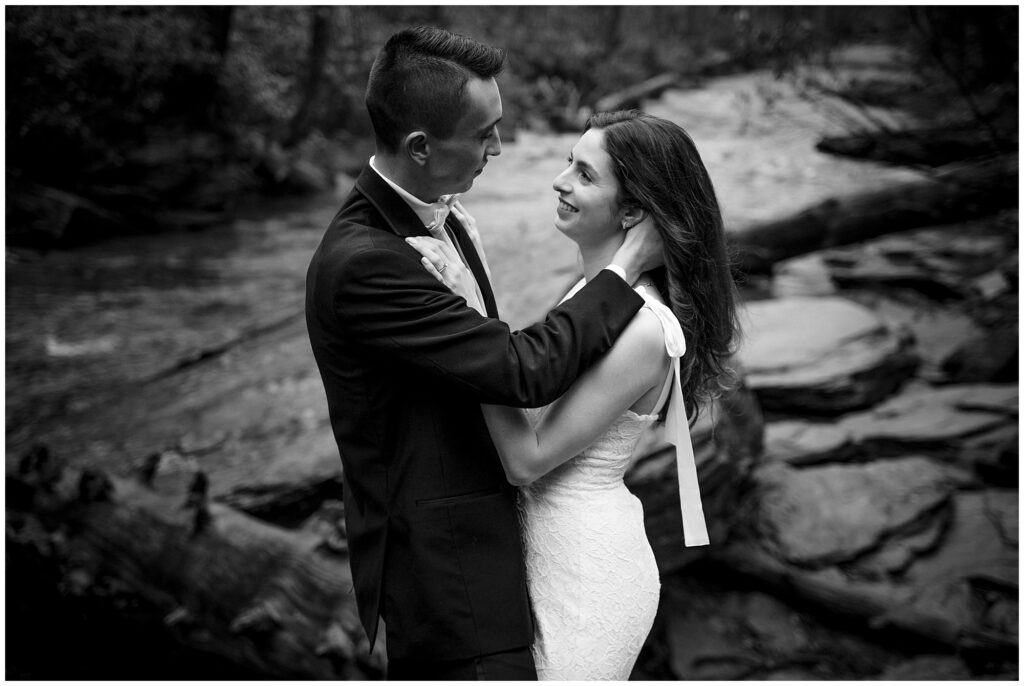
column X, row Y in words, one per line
column 659, row 170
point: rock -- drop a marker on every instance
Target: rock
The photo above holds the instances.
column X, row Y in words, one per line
column 818, row 516
column 806, row 275
column 994, row 455
column 802, row 443
column 901, row 549
column 935, row 421
column 714, row 630
column 928, row 668
column 973, row 576
column 725, row 450
column 821, row 355
column 990, row 356
column 940, row 331
column 950, row 262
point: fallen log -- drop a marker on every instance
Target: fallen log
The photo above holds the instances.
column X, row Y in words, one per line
column 634, row 95
column 933, row 147
column 273, row 601
column 955, row 192
column 40, row 216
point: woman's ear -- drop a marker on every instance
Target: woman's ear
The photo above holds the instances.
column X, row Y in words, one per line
column 631, row 216
column 417, row 147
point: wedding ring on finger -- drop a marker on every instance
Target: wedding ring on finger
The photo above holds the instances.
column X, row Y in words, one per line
column 440, row 270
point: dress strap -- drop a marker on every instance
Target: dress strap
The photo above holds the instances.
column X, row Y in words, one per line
column 677, row 428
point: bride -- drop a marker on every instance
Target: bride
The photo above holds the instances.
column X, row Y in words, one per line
column 592, row 576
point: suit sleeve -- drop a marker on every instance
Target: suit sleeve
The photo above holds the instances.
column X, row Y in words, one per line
column 386, row 301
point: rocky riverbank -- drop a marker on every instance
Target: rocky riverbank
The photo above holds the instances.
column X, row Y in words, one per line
column 879, row 537
column 861, row 488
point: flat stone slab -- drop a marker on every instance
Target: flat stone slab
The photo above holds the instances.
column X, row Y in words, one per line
column 824, row 355
column 962, row 261
column 801, row 443
column 940, row 421
column 830, row 514
column 973, row 576
column 959, row 261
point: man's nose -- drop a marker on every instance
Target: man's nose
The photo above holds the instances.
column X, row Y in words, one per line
column 494, row 147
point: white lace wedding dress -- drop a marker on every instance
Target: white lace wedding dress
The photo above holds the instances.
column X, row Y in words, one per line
column 592, row 576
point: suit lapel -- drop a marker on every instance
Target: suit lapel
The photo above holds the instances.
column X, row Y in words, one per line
column 404, row 222
column 477, row 267
column 396, row 212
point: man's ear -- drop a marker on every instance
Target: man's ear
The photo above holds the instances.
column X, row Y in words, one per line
column 632, row 215
column 417, row 147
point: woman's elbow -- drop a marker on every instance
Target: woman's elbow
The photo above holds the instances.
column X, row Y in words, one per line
column 520, row 475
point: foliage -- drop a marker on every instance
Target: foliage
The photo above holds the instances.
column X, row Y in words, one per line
column 953, row 73
column 83, row 83
column 188, row 105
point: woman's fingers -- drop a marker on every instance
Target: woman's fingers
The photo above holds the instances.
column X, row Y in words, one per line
column 438, row 252
column 432, row 270
column 435, row 259
column 464, row 217
column 428, row 247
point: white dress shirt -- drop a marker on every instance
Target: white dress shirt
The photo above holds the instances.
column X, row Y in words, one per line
column 433, row 216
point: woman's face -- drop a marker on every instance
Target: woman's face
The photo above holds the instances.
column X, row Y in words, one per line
column 588, row 210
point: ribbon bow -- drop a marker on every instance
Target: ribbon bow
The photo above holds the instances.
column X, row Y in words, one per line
column 442, row 208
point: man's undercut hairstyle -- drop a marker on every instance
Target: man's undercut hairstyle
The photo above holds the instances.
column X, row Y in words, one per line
column 418, row 81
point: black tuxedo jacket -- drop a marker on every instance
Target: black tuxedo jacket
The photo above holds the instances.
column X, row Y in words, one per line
column 431, row 520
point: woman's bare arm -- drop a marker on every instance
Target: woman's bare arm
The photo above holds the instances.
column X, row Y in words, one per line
column 635, row 365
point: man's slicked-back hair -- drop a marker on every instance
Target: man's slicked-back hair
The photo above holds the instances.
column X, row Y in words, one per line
column 418, row 81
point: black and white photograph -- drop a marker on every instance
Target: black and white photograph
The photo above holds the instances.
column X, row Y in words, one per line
column 512, row 342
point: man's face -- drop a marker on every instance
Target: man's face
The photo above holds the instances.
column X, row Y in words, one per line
column 455, row 162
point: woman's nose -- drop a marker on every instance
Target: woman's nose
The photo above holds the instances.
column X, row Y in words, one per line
column 560, row 183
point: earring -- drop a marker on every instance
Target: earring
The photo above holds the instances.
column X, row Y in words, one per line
column 625, row 225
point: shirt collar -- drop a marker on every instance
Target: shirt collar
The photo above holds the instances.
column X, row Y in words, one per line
column 431, row 214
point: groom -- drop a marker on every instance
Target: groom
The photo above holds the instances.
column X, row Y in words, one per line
column 431, row 520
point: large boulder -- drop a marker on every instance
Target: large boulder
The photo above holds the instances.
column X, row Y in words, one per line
column 821, row 355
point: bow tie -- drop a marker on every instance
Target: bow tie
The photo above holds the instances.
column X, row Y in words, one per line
column 442, row 208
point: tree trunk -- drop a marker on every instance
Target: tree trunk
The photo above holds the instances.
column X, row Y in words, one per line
column 956, row 192
column 319, row 42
